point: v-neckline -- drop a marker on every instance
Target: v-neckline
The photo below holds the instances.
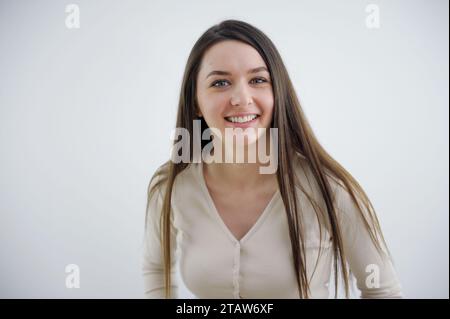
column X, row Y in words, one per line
column 219, row 218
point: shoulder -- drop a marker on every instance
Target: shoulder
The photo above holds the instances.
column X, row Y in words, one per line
column 159, row 179
column 186, row 178
column 306, row 177
column 341, row 196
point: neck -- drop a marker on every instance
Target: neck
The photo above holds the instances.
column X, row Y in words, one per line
column 239, row 176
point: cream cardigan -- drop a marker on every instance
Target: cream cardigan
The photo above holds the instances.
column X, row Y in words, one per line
column 212, row 263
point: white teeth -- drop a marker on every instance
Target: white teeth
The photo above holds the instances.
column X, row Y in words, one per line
column 241, row 119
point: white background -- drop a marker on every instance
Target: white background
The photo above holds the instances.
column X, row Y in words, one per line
column 86, row 116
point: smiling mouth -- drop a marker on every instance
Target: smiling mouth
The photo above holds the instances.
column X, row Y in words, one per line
column 242, row 119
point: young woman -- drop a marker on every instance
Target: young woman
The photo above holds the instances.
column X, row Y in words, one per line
column 234, row 232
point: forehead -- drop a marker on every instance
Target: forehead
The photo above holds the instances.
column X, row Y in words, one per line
column 232, row 56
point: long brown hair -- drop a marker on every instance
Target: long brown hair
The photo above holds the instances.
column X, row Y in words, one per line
column 295, row 136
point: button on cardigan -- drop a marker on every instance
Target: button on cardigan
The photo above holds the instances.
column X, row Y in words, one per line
column 212, row 263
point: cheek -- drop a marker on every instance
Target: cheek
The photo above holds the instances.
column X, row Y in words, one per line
column 218, row 102
column 212, row 106
column 266, row 102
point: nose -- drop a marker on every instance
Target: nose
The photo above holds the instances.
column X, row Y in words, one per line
column 241, row 96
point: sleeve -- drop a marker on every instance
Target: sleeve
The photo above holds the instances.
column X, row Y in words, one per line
column 153, row 266
column 374, row 272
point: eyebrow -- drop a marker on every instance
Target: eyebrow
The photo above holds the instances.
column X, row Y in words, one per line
column 255, row 70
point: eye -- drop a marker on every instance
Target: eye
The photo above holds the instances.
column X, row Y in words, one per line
column 258, row 80
column 220, row 83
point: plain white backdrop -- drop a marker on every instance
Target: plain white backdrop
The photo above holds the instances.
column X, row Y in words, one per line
column 86, row 115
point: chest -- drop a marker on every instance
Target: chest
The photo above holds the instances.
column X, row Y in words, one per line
column 240, row 211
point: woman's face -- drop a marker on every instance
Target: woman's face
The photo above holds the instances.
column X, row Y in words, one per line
column 234, row 89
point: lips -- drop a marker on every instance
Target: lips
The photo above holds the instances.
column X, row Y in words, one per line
column 241, row 118
column 243, row 122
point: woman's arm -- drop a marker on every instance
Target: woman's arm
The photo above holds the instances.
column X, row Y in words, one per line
column 153, row 266
column 374, row 272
